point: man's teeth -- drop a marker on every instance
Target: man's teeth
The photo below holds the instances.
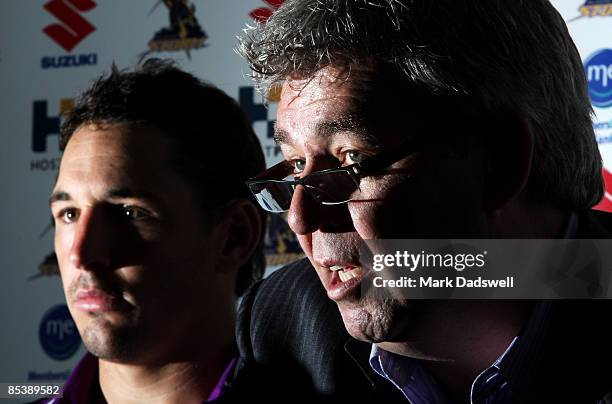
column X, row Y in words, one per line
column 346, row 274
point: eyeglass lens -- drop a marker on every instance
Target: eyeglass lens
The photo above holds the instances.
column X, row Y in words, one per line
column 326, row 187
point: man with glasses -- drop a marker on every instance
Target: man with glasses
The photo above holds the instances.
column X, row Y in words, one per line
column 155, row 235
column 430, row 120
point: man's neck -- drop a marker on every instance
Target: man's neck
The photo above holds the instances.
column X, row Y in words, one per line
column 460, row 339
column 183, row 381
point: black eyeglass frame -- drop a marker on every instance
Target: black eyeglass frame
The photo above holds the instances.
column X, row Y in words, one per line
column 356, row 171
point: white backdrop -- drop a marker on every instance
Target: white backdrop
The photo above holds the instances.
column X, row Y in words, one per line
column 50, row 50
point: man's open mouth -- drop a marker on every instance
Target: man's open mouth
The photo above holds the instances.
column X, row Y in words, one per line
column 347, row 272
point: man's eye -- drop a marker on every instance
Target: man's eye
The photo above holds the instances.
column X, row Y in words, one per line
column 298, row 165
column 133, row 212
column 353, row 156
column 68, row 215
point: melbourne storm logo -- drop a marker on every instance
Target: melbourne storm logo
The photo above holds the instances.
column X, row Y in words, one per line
column 594, row 8
column 184, row 32
column 598, row 69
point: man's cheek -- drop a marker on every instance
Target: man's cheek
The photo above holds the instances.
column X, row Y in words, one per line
column 67, row 275
column 62, row 246
column 306, row 244
column 363, row 217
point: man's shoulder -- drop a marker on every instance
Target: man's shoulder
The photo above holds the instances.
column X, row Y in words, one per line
column 292, row 341
column 285, row 281
column 289, row 311
column 594, row 224
column 81, row 384
column 573, row 359
column 292, row 303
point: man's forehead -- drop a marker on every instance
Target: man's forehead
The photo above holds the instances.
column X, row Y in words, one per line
column 300, row 92
column 114, row 156
column 334, row 101
column 115, row 136
column 118, row 144
column 327, row 93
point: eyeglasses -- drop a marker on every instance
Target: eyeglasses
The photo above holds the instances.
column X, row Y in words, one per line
column 333, row 186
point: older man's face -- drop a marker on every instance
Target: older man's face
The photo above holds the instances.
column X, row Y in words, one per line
column 136, row 264
column 325, row 122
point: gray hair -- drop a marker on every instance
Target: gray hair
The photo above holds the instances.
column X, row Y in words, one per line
column 504, row 56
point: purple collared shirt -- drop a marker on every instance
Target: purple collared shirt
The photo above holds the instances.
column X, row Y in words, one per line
column 78, row 387
column 419, row 387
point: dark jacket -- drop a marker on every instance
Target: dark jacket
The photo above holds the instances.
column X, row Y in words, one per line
column 293, row 345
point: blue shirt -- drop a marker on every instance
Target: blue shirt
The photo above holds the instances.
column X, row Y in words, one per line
column 419, row 387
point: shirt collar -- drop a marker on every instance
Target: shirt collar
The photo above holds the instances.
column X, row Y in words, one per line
column 492, row 380
column 408, row 375
column 78, row 386
column 571, row 226
column 419, row 387
column 223, row 381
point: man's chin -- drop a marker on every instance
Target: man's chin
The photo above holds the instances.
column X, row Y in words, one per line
column 375, row 321
column 362, row 323
column 109, row 341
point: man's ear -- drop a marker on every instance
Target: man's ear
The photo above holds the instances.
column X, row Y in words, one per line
column 509, row 147
column 241, row 226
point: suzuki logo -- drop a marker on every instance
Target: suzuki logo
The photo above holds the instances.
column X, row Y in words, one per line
column 75, row 28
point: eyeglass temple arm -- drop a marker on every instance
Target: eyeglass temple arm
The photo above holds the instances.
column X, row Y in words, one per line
column 278, row 170
column 386, row 158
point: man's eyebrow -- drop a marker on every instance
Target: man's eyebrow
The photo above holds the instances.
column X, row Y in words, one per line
column 118, row 193
column 115, row 193
column 59, row 196
column 280, row 135
column 347, row 123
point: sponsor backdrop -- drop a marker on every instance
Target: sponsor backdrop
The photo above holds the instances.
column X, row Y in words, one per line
column 51, row 49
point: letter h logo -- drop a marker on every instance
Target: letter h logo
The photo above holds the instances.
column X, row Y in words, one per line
column 75, row 28
column 44, row 125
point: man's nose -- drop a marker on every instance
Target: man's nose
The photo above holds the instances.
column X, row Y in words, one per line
column 306, row 215
column 92, row 245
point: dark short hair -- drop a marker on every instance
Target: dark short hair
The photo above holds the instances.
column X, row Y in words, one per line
column 497, row 56
column 214, row 143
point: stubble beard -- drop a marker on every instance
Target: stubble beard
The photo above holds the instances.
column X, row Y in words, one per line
column 113, row 343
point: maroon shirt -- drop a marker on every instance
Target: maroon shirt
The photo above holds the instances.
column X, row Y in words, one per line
column 80, row 384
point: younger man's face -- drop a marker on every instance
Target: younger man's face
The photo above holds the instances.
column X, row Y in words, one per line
column 137, row 267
